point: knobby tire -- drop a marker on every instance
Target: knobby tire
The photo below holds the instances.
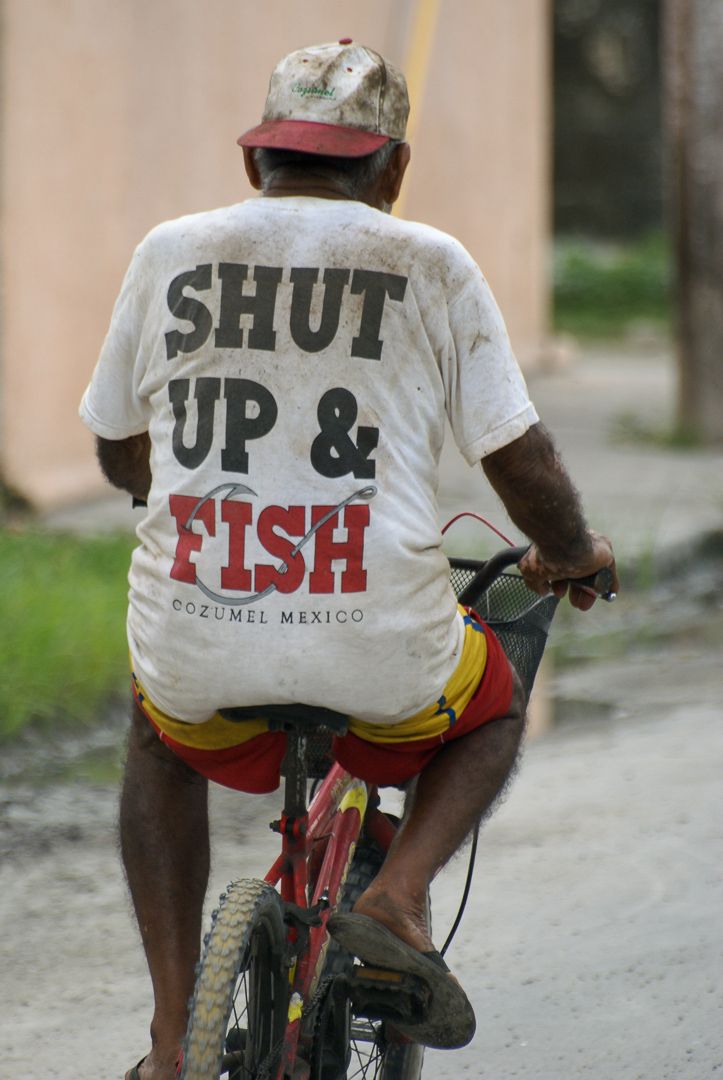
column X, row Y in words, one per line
column 240, row 1002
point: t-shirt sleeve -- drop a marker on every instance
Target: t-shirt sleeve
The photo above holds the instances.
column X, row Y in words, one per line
column 487, row 400
column 112, row 405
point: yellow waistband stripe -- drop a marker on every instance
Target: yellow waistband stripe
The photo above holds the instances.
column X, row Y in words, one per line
column 218, row 733
column 440, row 717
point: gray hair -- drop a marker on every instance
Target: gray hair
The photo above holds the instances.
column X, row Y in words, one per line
column 353, row 175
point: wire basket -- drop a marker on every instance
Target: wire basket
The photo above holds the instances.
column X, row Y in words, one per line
column 520, row 618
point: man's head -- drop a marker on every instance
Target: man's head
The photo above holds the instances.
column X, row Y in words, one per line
column 335, row 114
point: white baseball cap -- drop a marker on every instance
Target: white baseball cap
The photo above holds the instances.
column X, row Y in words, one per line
column 341, row 100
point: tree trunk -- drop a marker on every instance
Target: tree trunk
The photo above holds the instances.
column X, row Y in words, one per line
column 693, row 64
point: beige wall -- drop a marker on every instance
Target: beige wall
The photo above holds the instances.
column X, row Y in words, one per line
column 118, row 115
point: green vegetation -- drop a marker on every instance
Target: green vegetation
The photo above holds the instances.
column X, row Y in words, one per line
column 604, row 291
column 62, row 635
column 628, row 428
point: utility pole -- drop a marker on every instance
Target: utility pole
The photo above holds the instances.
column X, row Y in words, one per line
column 693, row 66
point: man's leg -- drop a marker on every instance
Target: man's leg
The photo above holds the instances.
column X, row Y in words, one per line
column 165, row 849
column 451, row 796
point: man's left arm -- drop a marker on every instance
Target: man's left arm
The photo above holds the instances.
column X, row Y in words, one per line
column 126, row 463
column 540, row 498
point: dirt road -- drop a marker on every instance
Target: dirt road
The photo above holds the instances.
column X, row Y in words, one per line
column 590, row 947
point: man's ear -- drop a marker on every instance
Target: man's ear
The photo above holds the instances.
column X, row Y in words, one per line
column 250, row 165
column 395, row 171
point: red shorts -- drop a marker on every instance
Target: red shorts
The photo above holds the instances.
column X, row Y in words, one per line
column 254, row 765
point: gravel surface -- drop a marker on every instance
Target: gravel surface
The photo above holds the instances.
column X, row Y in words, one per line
column 591, row 944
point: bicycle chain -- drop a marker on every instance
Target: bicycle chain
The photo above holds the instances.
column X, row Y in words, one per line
column 317, row 1003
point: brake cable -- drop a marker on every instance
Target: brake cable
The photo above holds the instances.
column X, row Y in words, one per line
column 465, row 891
column 475, row 833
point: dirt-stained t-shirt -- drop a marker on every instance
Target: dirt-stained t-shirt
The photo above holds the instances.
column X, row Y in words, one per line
column 293, row 360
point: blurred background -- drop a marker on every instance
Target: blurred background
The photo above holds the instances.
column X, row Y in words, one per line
column 574, row 146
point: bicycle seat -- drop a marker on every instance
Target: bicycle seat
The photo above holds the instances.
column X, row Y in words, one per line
column 297, row 717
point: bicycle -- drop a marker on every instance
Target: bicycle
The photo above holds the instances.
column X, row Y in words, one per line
column 275, row 999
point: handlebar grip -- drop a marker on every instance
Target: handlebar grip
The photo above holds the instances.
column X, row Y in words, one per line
column 600, row 582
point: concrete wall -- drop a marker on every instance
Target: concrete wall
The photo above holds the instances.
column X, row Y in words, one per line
column 118, row 115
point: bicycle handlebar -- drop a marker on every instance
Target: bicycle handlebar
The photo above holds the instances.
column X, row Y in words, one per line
column 600, row 583
column 489, row 571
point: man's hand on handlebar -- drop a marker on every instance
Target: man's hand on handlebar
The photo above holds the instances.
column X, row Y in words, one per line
column 544, row 575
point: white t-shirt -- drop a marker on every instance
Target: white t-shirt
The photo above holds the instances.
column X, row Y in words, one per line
column 293, row 360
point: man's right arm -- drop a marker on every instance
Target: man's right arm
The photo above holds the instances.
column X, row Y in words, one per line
column 540, row 498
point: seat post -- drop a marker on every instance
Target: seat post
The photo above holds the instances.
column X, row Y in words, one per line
column 296, row 774
column 294, row 820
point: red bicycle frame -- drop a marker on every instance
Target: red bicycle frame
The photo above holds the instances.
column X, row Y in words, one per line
column 317, row 849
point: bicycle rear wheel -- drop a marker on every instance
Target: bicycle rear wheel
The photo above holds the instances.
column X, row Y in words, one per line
column 239, row 1008
column 348, row 1047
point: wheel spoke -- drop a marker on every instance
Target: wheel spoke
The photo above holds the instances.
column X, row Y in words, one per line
column 366, row 1061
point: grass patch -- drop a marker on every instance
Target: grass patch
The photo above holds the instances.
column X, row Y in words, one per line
column 628, row 428
column 62, row 637
column 605, row 291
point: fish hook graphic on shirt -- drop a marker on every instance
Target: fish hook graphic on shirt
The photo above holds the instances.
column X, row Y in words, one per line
column 184, row 570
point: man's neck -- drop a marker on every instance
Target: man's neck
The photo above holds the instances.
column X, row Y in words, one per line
column 309, row 186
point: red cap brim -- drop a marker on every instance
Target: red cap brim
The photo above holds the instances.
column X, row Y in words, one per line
column 309, row 137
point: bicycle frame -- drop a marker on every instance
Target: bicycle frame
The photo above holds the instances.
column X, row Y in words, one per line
column 318, row 842
column 322, row 839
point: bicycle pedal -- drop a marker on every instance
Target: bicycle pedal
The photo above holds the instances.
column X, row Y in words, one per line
column 381, row 994
column 369, row 975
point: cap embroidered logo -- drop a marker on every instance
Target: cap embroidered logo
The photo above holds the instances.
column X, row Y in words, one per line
column 314, row 91
column 339, row 99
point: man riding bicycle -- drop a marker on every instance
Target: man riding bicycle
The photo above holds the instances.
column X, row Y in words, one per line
column 275, row 383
